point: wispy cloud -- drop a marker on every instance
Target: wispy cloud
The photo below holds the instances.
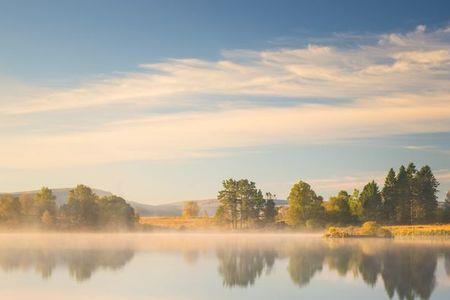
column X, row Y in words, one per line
column 416, row 62
column 396, row 84
column 428, row 148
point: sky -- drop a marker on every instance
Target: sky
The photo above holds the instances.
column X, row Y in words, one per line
column 159, row 101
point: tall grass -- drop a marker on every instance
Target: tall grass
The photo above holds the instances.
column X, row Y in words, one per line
column 420, row 230
column 178, row 223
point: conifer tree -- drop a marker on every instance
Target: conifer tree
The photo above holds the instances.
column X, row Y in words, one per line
column 370, row 199
column 426, row 186
column 403, row 196
column 389, row 197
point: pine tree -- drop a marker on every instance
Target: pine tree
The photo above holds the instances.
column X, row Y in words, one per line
column 446, row 211
column 241, row 203
column 414, row 203
column 426, row 185
column 228, row 199
column 370, row 199
column 269, row 209
column 403, row 197
column 389, row 196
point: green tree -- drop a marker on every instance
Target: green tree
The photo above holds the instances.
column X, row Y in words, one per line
column 370, row 200
column 416, row 208
column 446, row 210
column 240, row 203
column 115, row 213
column 270, row 211
column 338, row 208
column 221, row 215
column 426, row 194
column 389, row 196
column 251, row 203
column 10, row 212
column 44, row 201
column 403, row 197
column 191, row 209
column 228, row 203
column 81, row 209
column 355, row 205
column 304, row 204
column 28, row 209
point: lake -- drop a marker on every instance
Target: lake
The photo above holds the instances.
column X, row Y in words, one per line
column 220, row 266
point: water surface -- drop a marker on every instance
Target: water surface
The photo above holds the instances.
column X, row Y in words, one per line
column 220, row 266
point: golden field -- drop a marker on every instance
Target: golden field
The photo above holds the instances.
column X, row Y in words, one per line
column 371, row 229
column 178, row 223
column 420, row 230
column 208, row 223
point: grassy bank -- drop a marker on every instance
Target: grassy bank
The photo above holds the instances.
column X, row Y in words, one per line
column 178, row 223
column 420, row 230
column 368, row 229
column 371, row 229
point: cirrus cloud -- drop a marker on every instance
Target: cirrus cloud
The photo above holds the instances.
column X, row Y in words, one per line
column 397, row 84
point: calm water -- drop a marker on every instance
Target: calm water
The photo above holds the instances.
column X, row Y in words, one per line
column 201, row 266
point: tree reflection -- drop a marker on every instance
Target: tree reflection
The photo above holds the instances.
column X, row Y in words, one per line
column 406, row 269
column 410, row 272
column 240, row 267
column 304, row 263
column 82, row 263
column 447, row 262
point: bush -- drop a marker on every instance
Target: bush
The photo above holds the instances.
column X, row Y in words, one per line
column 368, row 229
column 374, row 229
column 337, row 232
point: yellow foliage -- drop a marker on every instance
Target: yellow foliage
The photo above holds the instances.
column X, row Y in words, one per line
column 420, row 230
column 368, row 229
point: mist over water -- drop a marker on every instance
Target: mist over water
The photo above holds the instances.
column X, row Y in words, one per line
column 220, row 266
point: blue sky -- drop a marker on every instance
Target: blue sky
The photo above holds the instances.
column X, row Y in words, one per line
column 161, row 100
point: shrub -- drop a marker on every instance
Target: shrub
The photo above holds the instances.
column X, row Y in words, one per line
column 374, row 229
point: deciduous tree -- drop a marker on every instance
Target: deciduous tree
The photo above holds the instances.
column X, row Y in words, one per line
column 304, row 204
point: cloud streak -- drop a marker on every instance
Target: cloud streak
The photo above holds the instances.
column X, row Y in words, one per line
column 398, row 84
column 415, row 62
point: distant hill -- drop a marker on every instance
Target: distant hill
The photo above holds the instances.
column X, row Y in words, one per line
column 176, row 208
column 168, row 209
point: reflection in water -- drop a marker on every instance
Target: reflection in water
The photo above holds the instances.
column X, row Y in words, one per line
column 242, row 267
column 80, row 262
column 406, row 269
column 304, row 263
column 83, row 263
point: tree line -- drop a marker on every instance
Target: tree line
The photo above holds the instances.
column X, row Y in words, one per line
column 242, row 205
column 84, row 210
column 407, row 197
